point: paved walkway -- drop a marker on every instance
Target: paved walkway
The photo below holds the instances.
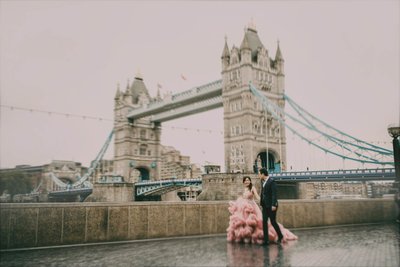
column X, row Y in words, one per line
column 357, row 245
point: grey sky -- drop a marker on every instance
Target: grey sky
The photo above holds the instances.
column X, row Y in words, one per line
column 341, row 63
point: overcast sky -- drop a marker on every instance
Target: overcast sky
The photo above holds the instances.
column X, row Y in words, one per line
column 341, row 63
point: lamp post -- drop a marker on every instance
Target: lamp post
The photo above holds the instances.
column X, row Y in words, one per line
column 394, row 131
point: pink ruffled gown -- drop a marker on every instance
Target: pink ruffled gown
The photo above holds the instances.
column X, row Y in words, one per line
column 245, row 222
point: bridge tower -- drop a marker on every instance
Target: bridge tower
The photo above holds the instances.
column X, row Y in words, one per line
column 252, row 136
column 137, row 146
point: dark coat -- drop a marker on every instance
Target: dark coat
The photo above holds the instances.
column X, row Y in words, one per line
column 268, row 196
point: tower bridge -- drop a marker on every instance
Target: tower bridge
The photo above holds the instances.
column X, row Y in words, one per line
column 247, row 126
column 158, row 188
column 256, row 117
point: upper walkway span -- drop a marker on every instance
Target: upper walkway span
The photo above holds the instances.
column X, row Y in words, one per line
column 192, row 101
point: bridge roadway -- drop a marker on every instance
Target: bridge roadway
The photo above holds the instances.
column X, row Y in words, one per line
column 352, row 245
column 160, row 187
column 163, row 186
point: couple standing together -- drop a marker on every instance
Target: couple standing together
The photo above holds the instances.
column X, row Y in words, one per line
column 247, row 223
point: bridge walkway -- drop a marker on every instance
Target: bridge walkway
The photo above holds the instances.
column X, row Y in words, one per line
column 353, row 245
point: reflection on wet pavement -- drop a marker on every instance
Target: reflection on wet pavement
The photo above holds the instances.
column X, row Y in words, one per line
column 356, row 245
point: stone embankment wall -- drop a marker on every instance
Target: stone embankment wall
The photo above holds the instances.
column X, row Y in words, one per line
column 50, row 224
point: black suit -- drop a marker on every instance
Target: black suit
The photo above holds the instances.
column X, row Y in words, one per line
column 269, row 199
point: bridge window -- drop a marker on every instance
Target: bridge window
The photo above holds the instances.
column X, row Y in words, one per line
column 143, row 134
column 143, row 149
column 149, row 152
column 237, row 130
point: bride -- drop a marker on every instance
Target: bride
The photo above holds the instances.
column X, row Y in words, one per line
column 245, row 222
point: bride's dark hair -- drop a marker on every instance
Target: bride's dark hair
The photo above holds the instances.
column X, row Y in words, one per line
column 251, row 184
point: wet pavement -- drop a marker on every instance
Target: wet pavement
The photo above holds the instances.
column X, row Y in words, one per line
column 356, row 245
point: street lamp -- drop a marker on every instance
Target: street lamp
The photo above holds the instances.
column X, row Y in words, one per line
column 394, row 131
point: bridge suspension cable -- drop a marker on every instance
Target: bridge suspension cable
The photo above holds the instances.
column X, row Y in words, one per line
column 338, row 143
column 93, row 165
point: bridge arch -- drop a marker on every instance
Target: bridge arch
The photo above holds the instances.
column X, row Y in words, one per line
column 270, row 161
column 144, row 173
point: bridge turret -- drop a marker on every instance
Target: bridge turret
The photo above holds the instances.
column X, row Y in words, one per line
column 225, row 55
column 279, row 65
column 127, row 95
column 137, row 142
column 139, row 92
column 118, row 93
column 279, row 61
column 245, row 50
column 250, row 134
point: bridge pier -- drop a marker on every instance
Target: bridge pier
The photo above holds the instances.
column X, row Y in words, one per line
column 112, row 192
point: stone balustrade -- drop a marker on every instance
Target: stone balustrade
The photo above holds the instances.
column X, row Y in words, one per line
column 36, row 225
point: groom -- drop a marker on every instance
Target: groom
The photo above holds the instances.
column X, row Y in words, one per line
column 269, row 204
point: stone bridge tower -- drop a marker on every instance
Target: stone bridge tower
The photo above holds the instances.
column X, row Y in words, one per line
column 137, row 146
column 252, row 136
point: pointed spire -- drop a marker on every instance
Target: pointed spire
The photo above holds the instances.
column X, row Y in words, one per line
column 252, row 26
column 225, row 52
column 158, row 94
column 128, row 90
column 278, row 55
column 138, row 75
column 118, row 93
column 245, row 43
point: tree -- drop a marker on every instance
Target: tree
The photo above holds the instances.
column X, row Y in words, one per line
column 15, row 182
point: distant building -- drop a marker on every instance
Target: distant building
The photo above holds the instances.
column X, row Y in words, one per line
column 212, row 168
column 321, row 190
column 66, row 171
column 173, row 164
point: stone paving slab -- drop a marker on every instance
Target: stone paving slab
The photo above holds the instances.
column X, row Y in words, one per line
column 356, row 245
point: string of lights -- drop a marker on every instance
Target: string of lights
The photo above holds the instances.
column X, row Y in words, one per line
column 84, row 117
column 67, row 115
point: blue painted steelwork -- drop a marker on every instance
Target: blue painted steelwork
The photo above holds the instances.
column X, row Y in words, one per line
column 209, row 96
column 387, row 174
column 164, row 186
column 70, row 193
column 83, row 181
